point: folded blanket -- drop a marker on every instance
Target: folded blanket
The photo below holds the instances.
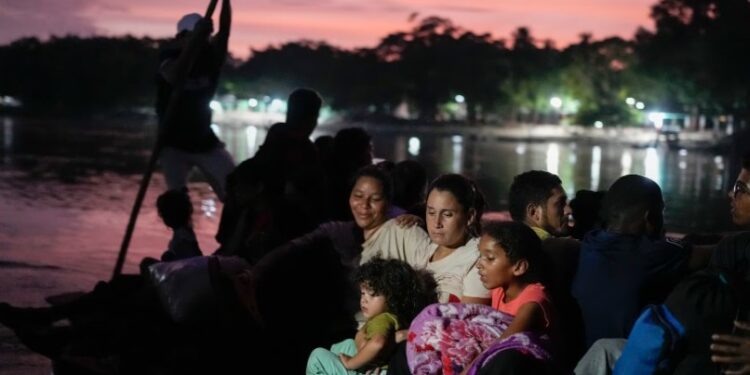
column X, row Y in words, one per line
column 446, row 338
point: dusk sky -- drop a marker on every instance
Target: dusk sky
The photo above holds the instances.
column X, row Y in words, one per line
column 343, row 23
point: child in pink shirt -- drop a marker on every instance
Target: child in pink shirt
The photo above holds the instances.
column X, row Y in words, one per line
column 510, row 266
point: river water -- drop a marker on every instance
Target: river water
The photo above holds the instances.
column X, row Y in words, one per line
column 67, row 187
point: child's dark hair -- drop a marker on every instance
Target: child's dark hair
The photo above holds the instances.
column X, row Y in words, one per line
column 174, row 208
column 467, row 194
column 406, row 290
column 519, row 242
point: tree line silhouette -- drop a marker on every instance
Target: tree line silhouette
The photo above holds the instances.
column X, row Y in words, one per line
column 696, row 61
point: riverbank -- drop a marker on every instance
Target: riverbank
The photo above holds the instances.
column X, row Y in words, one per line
column 631, row 136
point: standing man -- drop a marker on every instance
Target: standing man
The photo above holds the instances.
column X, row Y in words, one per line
column 188, row 139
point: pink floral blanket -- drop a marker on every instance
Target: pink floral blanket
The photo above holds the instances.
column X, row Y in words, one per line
column 446, row 338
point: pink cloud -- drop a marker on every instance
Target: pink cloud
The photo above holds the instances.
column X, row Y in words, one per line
column 345, row 23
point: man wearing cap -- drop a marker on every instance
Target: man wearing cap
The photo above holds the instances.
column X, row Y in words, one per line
column 188, row 139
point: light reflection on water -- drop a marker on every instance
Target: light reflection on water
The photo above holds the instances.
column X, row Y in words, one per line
column 82, row 153
column 584, row 166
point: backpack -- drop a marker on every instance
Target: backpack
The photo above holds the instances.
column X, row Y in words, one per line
column 674, row 337
column 654, row 344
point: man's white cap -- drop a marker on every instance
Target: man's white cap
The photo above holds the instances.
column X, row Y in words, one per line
column 187, row 22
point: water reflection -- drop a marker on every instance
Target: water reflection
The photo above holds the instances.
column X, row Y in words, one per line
column 521, row 149
column 83, row 153
column 626, row 162
column 553, row 159
column 651, row 165
column 458, row 153
column 414, row 145
column 251, row 135
column 7, row 139
column 596, row 166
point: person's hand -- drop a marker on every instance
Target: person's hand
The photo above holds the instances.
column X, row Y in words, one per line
column 401, row 335
column 345, row 359
column 408, row 221
column 733, row 350
column 374, row 371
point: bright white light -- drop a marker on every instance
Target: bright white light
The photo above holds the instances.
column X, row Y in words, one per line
column 719, row 161
column 208, row 206
column 555, row 102
column 640, row 105
column 630, row 101
column 598, row 124
column 683, row 152
column 457, row 139
column 657, row 118
column 682, row 164
column 460, row 99
column 216, row 129
column 553, row 158
column 277, row 105
column 414, row 146
column 215, row 105
column 651, row 164
column 596, row 166
column 252, row 102
column 458, row 157
column 521, row 149
column 251, row 135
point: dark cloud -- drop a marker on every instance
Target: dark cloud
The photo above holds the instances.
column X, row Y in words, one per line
column 44, row 18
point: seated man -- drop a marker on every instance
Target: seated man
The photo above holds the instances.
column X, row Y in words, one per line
column 537, row 199
column 629, row 264
column 733, row 253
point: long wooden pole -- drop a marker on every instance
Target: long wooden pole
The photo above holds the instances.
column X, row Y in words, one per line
column 165, row 121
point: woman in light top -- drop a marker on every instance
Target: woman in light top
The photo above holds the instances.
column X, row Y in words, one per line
column 454, row 209
column 454, row 205
column 449, row 251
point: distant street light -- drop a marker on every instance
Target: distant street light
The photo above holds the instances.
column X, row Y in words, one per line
column 640, row 105
column 598, row 124
column 460, row 99
column 555, row 102
column 252, row 102
column 215, row 105
column 630, row 101
column 657, row 118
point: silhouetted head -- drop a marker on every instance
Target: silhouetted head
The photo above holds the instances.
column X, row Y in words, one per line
column 537, row 199
column 352, row 148
column 586, row 209
column 303, row 108
column 187, row 24
column 634, row 205
column 409, row 184
column 739, row 195
column 454, row 209
column 174, row 208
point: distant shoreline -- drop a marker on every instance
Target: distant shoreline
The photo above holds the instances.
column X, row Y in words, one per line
column 635, row 137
